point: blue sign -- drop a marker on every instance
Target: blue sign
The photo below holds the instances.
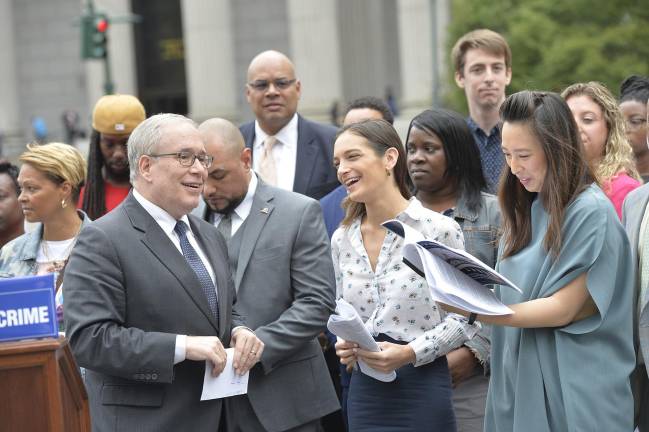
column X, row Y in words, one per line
column 27, row 308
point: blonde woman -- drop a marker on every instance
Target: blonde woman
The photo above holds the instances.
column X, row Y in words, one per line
column 50, row 179
column 601, row 127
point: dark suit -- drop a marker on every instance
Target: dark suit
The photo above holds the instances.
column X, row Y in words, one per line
column 285, row 285
column 128, row 293
column 315, row 175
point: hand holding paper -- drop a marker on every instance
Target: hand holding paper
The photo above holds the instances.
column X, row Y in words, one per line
column 347, row 324
column 227, row 383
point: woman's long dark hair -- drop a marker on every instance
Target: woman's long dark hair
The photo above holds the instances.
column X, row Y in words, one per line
column 550, row 120
column 380, row 136
column 463, row 167
column 94, row 196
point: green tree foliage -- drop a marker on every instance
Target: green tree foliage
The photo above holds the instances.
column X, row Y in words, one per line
column 557, row 43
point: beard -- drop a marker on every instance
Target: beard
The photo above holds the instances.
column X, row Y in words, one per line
column 229, row 208
column 120, row 175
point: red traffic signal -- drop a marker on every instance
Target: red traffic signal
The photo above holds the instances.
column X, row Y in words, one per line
column 101, row 25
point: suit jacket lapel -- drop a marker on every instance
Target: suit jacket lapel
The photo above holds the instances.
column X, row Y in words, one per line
column 307, row 150
column 248, row 131
column 635, row 221
column 261, row 209
column 164, row 250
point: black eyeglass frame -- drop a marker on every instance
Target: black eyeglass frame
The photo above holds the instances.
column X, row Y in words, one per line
column 204, row 159
column 280, row 84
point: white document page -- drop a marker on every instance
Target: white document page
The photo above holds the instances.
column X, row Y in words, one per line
column 458, row 258
column 227, row 384
column 452, row 287
column 347, row 325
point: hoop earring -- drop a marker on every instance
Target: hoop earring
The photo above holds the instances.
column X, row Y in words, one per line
column 63, row 204
column 387, row 171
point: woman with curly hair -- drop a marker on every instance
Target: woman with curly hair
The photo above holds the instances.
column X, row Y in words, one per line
column 603, row 136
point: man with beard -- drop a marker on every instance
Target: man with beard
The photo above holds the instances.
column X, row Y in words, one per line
column 113, row 120
column 283, row 275
column 483, row 68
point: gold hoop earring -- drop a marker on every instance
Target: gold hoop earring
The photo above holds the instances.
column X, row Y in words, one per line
column 63, row 204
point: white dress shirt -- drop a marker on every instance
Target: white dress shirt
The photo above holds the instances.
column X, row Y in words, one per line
column 284, row 152
column 239, row 215
column 392, row 299
column 167, row 223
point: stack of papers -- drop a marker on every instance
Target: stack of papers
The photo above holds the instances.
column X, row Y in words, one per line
column 454, row 277
column 347, row 325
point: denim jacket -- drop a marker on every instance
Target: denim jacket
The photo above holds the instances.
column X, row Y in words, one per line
column 481, row 236
column 18, row 257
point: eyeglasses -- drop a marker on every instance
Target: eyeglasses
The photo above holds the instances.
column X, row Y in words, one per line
column 187, row 159
column 280, row 84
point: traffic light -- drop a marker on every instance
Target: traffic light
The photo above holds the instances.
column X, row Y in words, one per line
column 94, row 33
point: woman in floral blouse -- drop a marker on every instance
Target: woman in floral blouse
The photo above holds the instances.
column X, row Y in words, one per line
column 413, row 333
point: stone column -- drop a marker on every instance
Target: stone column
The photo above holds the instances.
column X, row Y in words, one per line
column 209, row 59
column 416, row 52
column 424, row 53
column 442, row 51
column 315, row 50
column 9, row 108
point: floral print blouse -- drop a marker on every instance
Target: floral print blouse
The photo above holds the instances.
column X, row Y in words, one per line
column 393, row 299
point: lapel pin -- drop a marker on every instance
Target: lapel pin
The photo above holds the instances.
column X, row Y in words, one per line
column 265, row 210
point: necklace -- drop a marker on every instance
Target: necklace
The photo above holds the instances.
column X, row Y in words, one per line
column 58, row 265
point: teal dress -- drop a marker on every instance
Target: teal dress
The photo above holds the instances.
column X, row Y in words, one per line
column 572, row 378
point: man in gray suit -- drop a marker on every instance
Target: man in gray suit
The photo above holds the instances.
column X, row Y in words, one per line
column 281, row 261
column 635, row 217
column 148, row 293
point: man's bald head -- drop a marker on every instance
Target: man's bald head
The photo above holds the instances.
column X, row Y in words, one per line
column 223, row 134
column 272, row 90
column 229, row 176
column 270, row 58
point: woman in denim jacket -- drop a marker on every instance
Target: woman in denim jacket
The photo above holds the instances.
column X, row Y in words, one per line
column 50, row 179
column 444, row 164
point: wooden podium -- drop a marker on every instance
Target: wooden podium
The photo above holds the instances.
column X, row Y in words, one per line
column 41, row 388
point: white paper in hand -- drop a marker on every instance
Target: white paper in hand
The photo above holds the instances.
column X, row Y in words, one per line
column 347, row 325
column 227, row 384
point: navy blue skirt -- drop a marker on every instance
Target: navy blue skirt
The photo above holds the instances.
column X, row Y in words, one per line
column 419, row 399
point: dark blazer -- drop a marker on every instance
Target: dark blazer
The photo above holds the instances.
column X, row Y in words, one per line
column 128, row 292
column 285, row 285
column 315, row 175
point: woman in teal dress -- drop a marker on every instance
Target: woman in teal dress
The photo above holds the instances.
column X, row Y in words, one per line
column 561, row 361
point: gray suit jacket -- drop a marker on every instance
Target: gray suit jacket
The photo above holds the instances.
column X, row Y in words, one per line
column 286, row 289
column 632, row 214
column 128, row 292
column 315, row 175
